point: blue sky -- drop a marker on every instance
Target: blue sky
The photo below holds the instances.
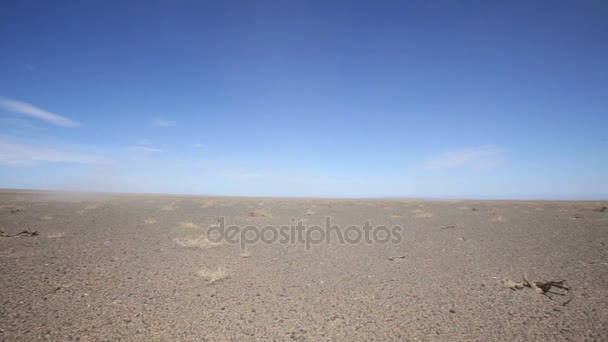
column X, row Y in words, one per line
column 306, row 98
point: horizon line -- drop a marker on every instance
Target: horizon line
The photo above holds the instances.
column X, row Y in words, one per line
column 589, row 198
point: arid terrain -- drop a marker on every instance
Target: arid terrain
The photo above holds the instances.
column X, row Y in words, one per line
column 94, row 267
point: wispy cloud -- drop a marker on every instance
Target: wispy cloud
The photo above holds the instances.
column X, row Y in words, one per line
column 27, row 67
column 19, row 153
column 199, row 145
column 477, row 157
column 162, row 123
column 146, row 149
column 32, row 111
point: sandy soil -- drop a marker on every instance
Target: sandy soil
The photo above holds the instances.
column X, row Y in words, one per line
column 135, row 268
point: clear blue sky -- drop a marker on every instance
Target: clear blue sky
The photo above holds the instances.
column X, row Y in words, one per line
column 306, row 98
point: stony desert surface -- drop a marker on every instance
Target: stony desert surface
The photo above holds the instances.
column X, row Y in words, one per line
column 95, row 267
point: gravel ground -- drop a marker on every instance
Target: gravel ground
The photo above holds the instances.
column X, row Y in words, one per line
column 137, row 267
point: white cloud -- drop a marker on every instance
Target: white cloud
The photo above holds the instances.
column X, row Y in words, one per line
column 30, row 110
column 146, row 149
column 477, row 157
column 199, row 145
column 162, row 123
column 19, row 153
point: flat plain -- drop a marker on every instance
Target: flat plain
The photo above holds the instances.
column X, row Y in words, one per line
column 108, row 267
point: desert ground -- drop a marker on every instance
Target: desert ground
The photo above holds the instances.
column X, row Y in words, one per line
column 107, row 267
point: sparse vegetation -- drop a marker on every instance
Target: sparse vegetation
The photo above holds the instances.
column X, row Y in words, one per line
column 498, row 218
column 260, row 213
column 169, row 207
column 56, row 235
column 423, row 215
column 200, row 242
column 212, row 276
column 207, row 204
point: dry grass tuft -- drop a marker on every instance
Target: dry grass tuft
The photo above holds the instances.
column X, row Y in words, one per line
column 200, row 242
column 169, row 207
column 91, row 206
column 245, row 254
column 309, row 212
column 46, row 218
column 187, row 225
column 56, row 235
column 423, row 215
column 212, row 276
column 260, row 213
column 498, row 218
column 10, row 206
column 150, row 221
column 396, row 216
column 207, row 204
